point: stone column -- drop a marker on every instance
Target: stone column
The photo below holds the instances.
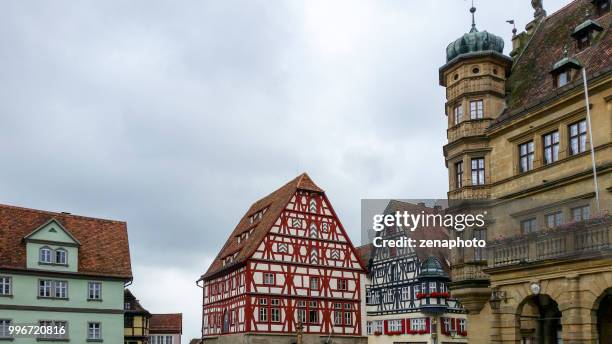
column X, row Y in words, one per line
column 573, row 319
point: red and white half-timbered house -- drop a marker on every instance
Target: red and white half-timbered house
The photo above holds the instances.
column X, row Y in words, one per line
column 288, row 261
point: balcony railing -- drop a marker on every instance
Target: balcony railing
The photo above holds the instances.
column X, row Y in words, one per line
column 468, row 272
column 571, row 241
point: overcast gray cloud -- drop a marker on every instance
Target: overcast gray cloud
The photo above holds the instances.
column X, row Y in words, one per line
column 175, row 116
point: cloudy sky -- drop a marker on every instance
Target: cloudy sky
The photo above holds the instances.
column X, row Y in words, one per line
column 176, row 116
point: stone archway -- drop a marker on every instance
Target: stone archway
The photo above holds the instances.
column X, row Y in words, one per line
column 539, row 320
column 603, row 317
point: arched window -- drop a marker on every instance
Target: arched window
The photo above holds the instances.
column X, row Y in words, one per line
column 44, row 255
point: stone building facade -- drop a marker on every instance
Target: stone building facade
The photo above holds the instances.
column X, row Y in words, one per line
column 520, row 148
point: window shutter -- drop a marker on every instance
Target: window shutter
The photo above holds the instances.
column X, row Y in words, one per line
column 427, row 325
column 386, row 326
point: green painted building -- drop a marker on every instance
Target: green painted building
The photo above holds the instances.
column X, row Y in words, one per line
column 64, row 272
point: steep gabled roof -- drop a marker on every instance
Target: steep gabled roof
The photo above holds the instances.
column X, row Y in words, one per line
column 135, row 306
column 274, row 204
column 530, row 83
column 103, row 251
column 423, row 233
column 166, row 323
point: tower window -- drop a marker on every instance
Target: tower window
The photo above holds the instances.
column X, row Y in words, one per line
column 526, row 156
column 478, row 171
column 459, row 174
column 458, row 113
column 456, row 77
column 476, row 109
column 476, row 70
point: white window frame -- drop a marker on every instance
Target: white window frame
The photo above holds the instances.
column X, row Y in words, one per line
column 418, row 324
column 94, row 291
column 395, row 325
column 45, row 255
column 94, row 330
column 269, row 278
column 4, row 325
column 64, row 256
column 6, row 285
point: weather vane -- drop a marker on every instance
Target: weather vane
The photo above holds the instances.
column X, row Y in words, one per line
column 472, row 11
column 511, row 21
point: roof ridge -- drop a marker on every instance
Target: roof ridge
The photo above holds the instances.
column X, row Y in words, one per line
column 39, row 211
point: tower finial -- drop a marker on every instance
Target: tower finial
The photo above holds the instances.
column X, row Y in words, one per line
column 473, row 10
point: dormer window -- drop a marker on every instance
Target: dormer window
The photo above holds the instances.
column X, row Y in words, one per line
column 258, row 215
column 61, row 256
column 585, row 32
column 563, row 78
column 44, row 255
column 564, row 70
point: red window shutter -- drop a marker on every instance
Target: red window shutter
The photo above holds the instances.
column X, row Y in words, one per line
column 386, row 326
column 427, row 327
column 454, row 324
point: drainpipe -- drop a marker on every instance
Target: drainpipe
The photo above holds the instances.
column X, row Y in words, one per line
column 588, row 111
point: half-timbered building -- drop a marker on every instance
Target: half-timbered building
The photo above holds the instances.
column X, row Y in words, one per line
column 407, row 294
column 288, row 262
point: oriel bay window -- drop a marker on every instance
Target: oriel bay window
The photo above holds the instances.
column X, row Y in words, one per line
column 577, row 137
column 476, row 109
column 526, row 156
column 551, row 147
column 457, row 113
column 478, row 171
column 459, row 174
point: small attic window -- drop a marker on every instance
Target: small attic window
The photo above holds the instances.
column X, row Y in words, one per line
column 258, row 215
column 565, row 69
column 563, row 78
column 585, row 32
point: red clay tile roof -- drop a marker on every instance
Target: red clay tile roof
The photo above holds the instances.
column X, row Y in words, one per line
column 103, row 250
column 531, row 83
column 274, row 203
column 166, row 323
column 365, row 253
